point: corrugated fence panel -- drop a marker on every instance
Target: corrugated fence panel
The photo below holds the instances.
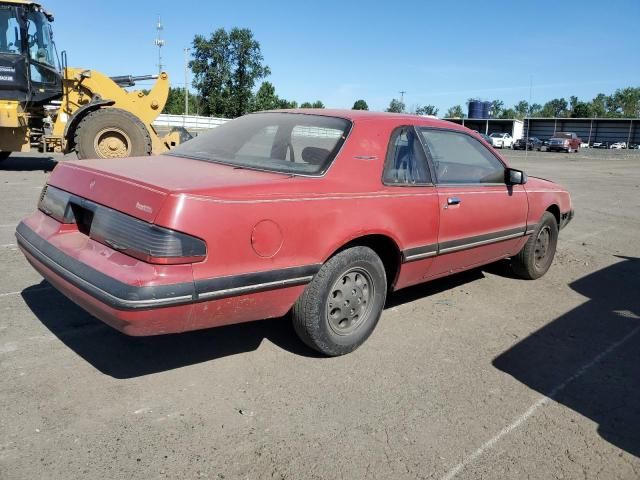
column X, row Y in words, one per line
column 596, row 130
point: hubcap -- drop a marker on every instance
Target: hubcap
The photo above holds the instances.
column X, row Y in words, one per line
column 349, row 302
column 542, row 246
column 112, row 143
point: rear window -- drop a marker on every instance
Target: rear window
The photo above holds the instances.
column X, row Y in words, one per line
column 288, row 143
column 562, row 135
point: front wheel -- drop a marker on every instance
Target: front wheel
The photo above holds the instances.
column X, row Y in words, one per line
column 341, row 306
column 536, row 256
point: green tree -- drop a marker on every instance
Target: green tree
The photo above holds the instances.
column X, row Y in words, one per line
column 226, row 67
column 555, row 108
column 625, row 102
column 496, row 109
column 534, row 109
column 455, row 112
column 360, row 105
column 599, row 105
column 426, row 110
column 521, row 108
column 581, row 110
column 265, row 98
column 508, row 113
column 175, row 102
column 316, row 104
column 396, row 106
column 284, row 104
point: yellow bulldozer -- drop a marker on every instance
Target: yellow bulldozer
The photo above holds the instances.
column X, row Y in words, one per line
column 49, row 106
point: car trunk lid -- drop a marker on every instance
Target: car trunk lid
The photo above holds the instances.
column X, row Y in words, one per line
column 140, row 186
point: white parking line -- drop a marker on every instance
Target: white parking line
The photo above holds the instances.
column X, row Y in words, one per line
column 8, row 225
column 35, row 290
column 9, row 245
column 541, row 402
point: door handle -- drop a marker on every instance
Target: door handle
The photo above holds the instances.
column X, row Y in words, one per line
column 453, row 201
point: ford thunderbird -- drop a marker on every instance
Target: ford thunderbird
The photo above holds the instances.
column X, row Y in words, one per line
column 318, row 214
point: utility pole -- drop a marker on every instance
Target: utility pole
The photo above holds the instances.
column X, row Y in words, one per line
column 159, row 42
column 186, row 82
column 402, row 92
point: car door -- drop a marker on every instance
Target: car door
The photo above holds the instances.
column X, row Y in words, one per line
column 413, row 204
column 482, row 218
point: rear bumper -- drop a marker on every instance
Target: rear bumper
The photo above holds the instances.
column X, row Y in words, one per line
column 156, row 308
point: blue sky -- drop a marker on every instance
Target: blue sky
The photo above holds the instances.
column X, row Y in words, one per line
column 439, row 52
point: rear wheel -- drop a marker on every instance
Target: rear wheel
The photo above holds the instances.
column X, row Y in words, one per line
column 111, row 133
column 536, row 256
column 342, row 305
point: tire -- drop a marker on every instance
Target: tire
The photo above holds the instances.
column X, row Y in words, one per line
column 536, row 256
column 4, row 156
column 319, row 316
column 111, row 133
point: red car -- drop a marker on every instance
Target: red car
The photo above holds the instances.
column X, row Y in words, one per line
column 315, row 212
column 564, row 142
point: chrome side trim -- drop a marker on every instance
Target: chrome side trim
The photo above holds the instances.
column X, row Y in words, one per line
column 260, row 287
column 420, row 256
column 480, row 243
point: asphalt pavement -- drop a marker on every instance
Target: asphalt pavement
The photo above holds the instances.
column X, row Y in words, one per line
column 479, row 375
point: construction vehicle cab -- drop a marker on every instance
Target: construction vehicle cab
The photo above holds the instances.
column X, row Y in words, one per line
column 29, row 65
column 62, row 109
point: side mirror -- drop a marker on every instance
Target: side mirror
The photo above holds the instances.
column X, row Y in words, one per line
column 515, row 177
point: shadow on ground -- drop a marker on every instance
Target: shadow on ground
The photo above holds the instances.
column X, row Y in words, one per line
column 589, row 358
column 27, row 163
column 122, row 357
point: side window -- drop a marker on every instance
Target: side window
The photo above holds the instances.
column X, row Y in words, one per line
column 406, row 163
column 460, row 158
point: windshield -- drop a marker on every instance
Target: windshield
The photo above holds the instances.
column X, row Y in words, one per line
column 41, row 48
column 10, row 39
column 497, row 135
column 275, row 142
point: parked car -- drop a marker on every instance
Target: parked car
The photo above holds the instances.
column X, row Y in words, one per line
column 634, row 146
column 315, row 212
column 618, row 145
column 531, row 143
column 600, row 145
column 564, row 141
column 501, row 140
column 487, row 138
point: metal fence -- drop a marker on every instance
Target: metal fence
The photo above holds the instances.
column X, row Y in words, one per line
column 190, row 122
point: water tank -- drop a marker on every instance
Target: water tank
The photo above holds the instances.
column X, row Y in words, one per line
column 486, row 110
column 476, row 109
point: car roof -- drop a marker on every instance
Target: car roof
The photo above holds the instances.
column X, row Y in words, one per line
column 369, row 116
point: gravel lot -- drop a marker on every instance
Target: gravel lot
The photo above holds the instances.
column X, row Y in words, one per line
column 475, row 376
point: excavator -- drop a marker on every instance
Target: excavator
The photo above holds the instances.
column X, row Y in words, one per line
column 49, row 106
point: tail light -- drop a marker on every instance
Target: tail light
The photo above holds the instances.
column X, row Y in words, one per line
column 122, row 232
column 56, row 204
